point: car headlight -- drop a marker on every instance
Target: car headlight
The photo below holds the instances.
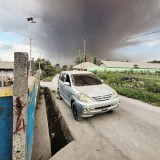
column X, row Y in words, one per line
column 114, row 94
column 84, row 98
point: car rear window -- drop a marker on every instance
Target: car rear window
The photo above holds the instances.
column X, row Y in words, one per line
column 85, row 80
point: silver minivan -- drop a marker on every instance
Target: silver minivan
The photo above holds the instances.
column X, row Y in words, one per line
column 86, row 94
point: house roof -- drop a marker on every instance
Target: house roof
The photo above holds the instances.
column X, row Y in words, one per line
column 76, row 72
column 118, row 64
column 6, row 65
column 84, row 65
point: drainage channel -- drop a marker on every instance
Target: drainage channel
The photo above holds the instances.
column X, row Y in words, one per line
column 57, row 137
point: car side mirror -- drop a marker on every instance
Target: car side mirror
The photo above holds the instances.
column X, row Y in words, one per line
column 66, row 83
column 102, row 80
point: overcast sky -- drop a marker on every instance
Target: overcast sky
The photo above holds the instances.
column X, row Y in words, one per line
column 61, row 25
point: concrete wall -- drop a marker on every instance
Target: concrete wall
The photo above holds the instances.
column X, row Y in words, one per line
column 31, row 119
column 6, row 119
column 25, row 90
column 17, row 112
column 6, row 123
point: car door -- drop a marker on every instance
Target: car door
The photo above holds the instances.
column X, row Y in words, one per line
column 61, row 83
column 67, row 88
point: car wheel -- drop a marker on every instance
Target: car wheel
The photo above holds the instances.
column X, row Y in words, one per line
column 59, row 96
column 75, row 112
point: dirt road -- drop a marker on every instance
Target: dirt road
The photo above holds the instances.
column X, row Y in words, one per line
column 133, row 131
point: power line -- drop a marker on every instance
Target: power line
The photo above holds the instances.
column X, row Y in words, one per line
column 138, row 36
column 127, row 39
column 123, row 40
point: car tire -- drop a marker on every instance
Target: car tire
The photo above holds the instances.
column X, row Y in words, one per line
column 59, row 96
column 75, row 112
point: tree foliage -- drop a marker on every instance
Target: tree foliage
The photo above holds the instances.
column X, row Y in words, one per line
column 47, row 69
column 95, row 60
column 154, row 61
column 79, row 59
column 85, row 58
column 64, row 68
column 135, row 66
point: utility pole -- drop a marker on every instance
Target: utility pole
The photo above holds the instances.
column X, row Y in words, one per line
column 40, row 64
column 84, row 44
column 80, row 58
column 79, row 54
column 30, row 20
column 84, row 50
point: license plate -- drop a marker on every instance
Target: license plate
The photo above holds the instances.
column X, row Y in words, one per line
column 104, row 109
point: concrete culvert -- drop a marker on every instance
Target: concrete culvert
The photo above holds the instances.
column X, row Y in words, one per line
column 57, row 138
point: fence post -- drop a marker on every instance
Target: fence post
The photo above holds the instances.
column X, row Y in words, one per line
column 2, row 80
column 20, row 100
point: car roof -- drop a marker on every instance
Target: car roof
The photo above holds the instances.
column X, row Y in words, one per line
column 76, row 72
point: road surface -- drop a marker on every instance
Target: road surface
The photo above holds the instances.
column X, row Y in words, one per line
column 133, row 131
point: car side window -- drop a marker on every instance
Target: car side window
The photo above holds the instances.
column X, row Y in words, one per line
column 73, row 82
column 62, row 77
column 67, row 78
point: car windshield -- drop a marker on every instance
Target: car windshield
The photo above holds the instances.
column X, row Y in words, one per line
column 85, row 79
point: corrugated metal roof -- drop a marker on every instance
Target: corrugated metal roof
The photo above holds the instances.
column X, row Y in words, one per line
column 84, row 65
column 117, row 64
column 76, row 72
column 6, row 65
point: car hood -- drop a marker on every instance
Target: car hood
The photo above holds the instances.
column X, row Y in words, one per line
column 95, row 90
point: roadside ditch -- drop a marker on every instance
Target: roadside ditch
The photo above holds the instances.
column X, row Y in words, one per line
column 58, row 130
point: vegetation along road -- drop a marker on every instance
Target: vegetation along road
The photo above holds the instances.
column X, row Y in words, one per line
column 133, row 130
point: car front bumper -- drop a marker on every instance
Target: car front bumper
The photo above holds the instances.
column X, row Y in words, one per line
column 90, row 109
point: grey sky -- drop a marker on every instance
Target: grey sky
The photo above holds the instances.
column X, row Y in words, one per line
column 61, row 25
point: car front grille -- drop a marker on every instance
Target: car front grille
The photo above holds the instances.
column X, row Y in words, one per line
column 103, row 107
column 102, row 98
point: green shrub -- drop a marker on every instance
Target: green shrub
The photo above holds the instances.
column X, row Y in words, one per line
column 146, row 90
column 152, row 98
column 48, row 79
column 152, row 86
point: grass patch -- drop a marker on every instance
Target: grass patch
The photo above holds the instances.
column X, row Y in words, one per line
column 145, row 96
column 48, row 79
column 146, row 90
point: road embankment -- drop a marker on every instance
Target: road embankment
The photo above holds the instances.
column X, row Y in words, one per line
column 85, row 143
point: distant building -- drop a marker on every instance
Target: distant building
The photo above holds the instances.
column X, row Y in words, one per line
column 129, row 65
column 7, row 68
column 126, row 66
column 84, row 66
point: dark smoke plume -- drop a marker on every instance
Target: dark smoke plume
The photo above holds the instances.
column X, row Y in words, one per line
column 65, row 22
